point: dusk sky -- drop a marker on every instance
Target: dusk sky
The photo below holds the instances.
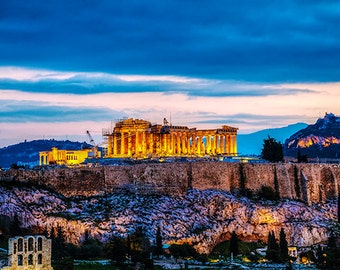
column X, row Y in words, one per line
column 71, row 66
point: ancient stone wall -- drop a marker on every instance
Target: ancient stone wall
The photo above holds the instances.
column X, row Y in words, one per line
column 306, row 182
column 29, row 252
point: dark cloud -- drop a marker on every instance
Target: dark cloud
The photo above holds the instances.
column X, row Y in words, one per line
column 243, row 40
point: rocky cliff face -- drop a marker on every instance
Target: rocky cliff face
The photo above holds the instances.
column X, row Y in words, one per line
column 200, row 217
column 311, row 183
column 321, row 139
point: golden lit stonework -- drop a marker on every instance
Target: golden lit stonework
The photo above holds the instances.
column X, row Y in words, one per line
column 64, row 157
column 138, row 138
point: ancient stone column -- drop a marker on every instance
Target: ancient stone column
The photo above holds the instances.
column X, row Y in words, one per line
column 228, row 144
column 113, row 145
column 183, row 143
column 188, row 144
column 151, row 144
column 222, row 142
column 193, row 145
column 235, row 144
column 172, row 143
column 129, row 150
column 122, row 144
column 163, row 144
column 137, row 143
column 208, row 144
column 217, row 144
column 199, row 145
column 178, row 150
column 143, row 143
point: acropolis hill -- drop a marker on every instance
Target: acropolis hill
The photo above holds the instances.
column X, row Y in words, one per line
column 195, row 200
column 305, row 182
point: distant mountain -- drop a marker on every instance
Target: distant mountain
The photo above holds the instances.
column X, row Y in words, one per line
column 321, row 139
column 28, row 152
column 251, row 144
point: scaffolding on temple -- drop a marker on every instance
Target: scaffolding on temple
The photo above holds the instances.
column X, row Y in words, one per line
column 137, row 138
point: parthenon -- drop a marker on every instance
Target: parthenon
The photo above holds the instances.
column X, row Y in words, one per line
column 138, row 138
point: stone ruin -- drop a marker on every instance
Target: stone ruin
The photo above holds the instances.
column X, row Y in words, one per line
column 28, row 253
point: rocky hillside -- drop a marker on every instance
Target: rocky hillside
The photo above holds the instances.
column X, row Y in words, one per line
column 321, row 139
column 203, row 218
column 28, row 152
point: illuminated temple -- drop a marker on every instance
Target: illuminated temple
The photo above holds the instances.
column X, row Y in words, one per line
column 138, row 138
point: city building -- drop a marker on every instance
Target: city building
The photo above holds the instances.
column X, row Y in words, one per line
column 136, row 138
column 29, row 252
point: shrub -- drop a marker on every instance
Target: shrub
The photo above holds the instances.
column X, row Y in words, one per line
column 267, row 193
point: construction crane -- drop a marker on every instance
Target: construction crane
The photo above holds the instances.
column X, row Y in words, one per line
column 94, row 146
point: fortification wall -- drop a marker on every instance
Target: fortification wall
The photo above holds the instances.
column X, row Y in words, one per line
column 307, row 182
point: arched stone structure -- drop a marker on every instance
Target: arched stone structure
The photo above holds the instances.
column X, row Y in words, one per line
column 29, row 252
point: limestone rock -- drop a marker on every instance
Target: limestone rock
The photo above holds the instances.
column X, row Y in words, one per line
column 201, row 217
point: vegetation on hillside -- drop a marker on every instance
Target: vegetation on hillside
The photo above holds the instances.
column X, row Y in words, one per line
column 272, row 150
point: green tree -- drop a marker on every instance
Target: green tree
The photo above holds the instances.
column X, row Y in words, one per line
column 301, row 158
column 272, row 248
column 15, row 229
column 267, row 193
column 159, row 242
column 283, row 245
column 58, row 243
column 233, row 244
column 272, row 150
column 60, row 257
column 183, row 251
column 90, row 249
column 140, row 248
column 116, row 250
column 128, row 247
column 332, row 258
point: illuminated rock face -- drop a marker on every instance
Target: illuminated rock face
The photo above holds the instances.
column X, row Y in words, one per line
column 140, row 139
column 313, row 140
column 320, row 140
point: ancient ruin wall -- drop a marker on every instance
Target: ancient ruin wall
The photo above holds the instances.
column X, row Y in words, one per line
column 307, row 182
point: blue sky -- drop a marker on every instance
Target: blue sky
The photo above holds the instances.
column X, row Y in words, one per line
column 71, row 66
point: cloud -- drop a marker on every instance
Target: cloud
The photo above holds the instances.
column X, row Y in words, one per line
column 287, row 41
column 45, row 81
column 251, row 64
column 28, row 111
column 247, row 119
